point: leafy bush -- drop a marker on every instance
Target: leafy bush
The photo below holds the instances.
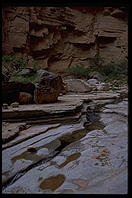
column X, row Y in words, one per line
column 12, row 62
column 79, row 71
column 34, row 78
column 111, row 71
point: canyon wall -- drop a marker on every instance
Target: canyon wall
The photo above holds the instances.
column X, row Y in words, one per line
column 62, row 37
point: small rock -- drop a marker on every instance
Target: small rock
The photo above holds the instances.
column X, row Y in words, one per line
column 5, row 106
column 15, row 105
column 31, row 149
column 103, row 87
column 93, row 81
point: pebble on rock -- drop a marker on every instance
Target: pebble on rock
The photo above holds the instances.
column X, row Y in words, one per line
column 15, row 105
column 5, row 106
column 31, row 149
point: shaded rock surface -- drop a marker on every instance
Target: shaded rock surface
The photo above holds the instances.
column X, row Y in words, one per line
column 11, row 91
column 5, row 78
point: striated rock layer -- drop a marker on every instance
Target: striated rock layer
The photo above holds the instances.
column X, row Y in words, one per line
column 61, row 37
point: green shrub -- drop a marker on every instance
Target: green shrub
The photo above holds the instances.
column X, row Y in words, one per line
column 111, row 71
column 34, row 64
column 12, row 65
column 12, row 62
column 95, row 61
column 34, row 78
column 79, row 71
column 118, row 71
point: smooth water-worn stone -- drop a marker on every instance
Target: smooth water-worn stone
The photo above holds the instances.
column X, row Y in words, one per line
column 96, row 164
column 93, row 162
column 120, row 108
column 95, row 170
column 18, row 152
column 29, row 132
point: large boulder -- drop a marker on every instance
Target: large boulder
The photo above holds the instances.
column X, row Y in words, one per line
column 48, row 89
column 11, row 91
column 77, row 85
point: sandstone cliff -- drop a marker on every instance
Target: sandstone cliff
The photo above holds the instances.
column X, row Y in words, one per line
column 61, row 37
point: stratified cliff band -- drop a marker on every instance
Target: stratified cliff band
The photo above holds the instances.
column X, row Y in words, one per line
column 61, row 37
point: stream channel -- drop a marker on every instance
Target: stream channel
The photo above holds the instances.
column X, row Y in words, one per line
column 89, row 123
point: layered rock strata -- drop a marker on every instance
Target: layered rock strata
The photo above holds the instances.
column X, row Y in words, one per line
column 61, row 37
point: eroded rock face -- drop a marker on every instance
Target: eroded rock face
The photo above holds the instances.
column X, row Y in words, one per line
column 61, row 37
column 48, row 89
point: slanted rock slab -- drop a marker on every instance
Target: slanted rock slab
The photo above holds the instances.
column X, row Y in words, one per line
column 10, row 131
